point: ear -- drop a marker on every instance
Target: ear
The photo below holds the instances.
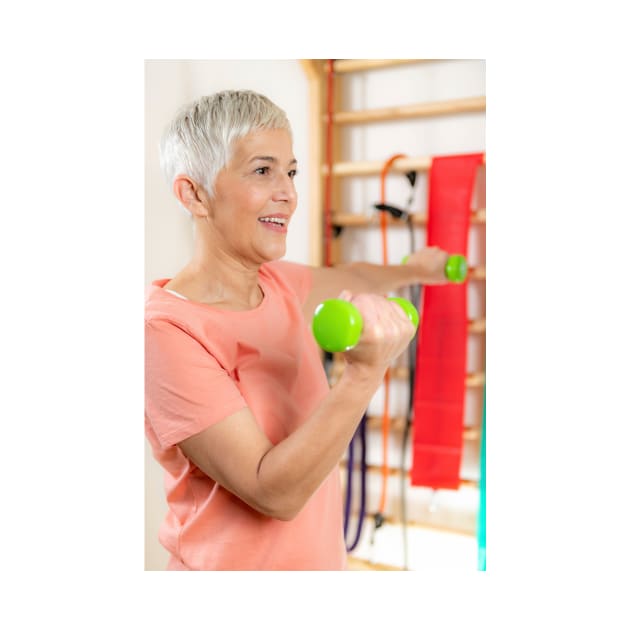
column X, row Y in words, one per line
column 191, row 195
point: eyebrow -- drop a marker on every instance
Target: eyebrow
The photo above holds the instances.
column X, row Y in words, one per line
column 269, row 158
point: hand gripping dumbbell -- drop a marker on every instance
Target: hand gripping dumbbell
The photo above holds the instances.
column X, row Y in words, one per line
column 337, row 324
column 455, row 270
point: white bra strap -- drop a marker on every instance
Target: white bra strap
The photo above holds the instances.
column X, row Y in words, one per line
column 179, row 295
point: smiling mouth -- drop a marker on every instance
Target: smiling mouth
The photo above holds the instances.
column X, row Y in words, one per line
column 278, row 224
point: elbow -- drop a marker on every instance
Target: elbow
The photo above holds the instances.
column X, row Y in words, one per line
column 275, row 497
column 280, row 504
column 284, row 515
column 280, row 508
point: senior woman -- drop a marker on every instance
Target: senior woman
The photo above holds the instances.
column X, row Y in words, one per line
column 239, row 412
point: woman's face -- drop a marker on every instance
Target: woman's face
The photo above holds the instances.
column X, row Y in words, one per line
column 255, row 197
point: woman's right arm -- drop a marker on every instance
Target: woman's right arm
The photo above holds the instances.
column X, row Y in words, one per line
column 277, row 480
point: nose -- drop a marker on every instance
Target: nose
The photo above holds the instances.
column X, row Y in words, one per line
column 284, row 190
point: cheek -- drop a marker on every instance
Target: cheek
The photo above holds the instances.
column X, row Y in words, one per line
column 250, row 200
column 239, row 206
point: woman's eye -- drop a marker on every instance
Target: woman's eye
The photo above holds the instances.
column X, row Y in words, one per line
column 292, row 173
column 262, row 170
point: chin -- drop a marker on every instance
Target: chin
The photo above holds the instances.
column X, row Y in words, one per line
column 273, row 253
column 280, row 250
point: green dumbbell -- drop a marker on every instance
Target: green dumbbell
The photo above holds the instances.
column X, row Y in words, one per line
column 456, row 268
column 337, row 324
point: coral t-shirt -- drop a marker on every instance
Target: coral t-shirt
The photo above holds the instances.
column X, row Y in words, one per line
column 203, row 364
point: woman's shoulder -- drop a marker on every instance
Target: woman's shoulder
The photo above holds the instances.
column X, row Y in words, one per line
column 177, row 321
column 163, row 306
column 154, row 296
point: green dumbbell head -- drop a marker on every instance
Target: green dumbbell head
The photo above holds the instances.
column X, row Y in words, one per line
column 337, row 325
column 409, row 309
column 456, row 268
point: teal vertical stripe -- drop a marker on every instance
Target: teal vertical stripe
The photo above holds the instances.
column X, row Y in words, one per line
column 481, row 517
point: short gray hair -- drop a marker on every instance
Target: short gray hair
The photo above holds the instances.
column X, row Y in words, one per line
column 199, row 140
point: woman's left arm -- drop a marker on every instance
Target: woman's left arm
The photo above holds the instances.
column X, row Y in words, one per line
column 425, row 266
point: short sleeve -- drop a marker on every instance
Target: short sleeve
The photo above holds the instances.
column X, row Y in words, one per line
column 298, row 277
column 186, row 389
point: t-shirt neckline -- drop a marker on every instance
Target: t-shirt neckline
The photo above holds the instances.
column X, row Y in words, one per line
column 159, row 284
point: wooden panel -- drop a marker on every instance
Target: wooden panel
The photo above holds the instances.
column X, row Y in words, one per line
column 419, row 110
column 348, row 219
column 341, row 66
column 402, row 165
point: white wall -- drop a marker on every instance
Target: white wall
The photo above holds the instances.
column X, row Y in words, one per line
column 168, row 234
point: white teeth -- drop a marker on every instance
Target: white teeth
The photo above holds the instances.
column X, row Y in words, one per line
column 273, row 220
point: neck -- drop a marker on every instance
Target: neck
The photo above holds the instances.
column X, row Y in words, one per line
column 219, row 277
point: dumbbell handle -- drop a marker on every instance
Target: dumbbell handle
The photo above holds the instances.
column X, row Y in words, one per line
column 337, row 324
column 456, row 267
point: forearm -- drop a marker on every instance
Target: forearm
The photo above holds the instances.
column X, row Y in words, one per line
column 382, row 279
column 291, row 471
column 426, row 266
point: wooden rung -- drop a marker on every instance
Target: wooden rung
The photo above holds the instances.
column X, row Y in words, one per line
column 473, row 379
column 341, row 66
column 420, row 110
column 359, row 564
column 390, row 520
column 402, row 165
column 395, row 472
column 477, row 326
column 346, row 219
column 397, row 423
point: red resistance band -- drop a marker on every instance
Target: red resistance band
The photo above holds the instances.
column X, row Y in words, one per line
column 441, row 351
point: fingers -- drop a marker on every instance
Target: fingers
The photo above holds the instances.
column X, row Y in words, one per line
column 380, row 311
column 386, row 332
column 381, row 317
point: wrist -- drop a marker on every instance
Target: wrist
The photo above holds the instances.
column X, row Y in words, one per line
column 363, row 375
column 407, row 273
